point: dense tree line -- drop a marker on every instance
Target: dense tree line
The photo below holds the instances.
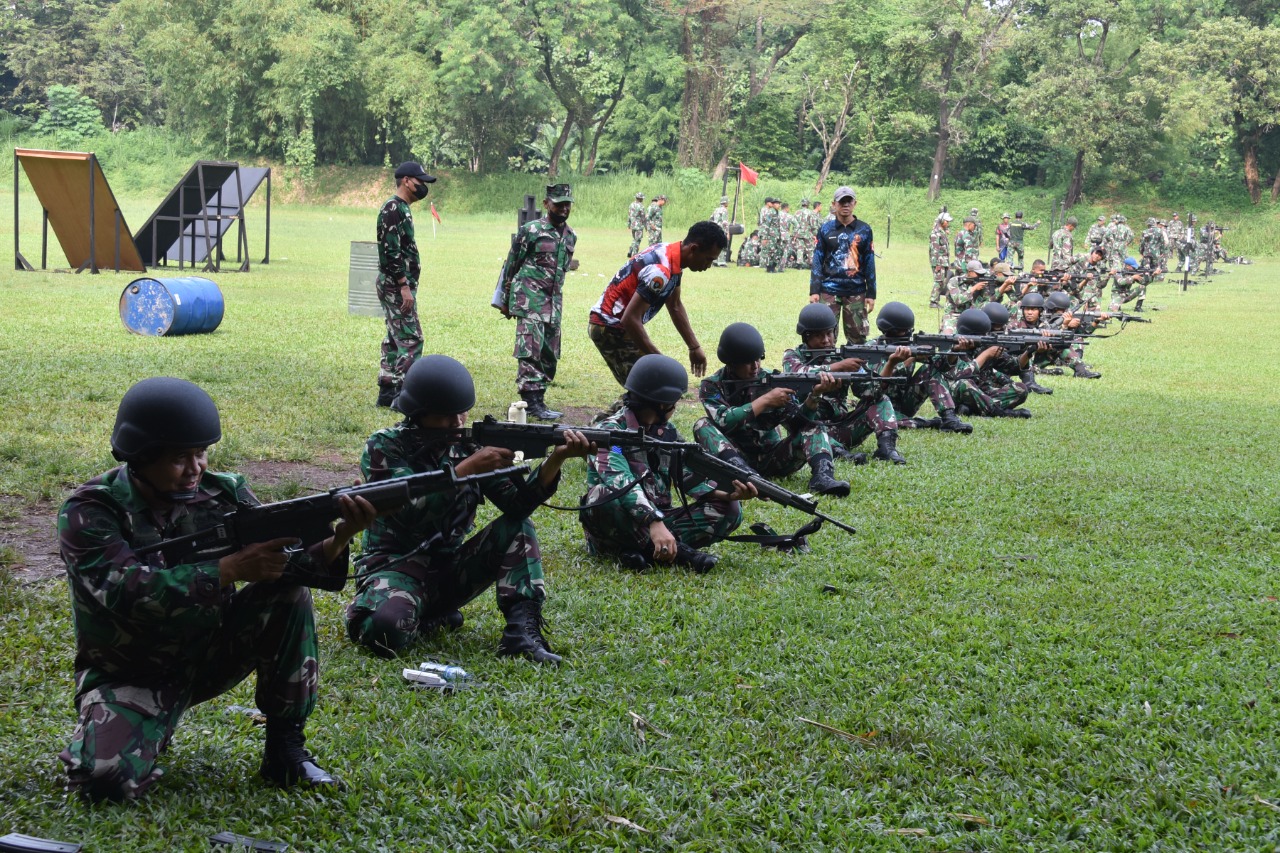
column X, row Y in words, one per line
column 960, row 93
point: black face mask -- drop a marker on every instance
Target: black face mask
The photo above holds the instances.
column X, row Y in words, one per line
column 420, row 191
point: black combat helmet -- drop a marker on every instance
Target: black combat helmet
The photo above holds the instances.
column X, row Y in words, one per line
column 815, row 317
column 1059, row 301
column 740, row 343
column 657, row 378
column 163, row 413
column 895, row 318
column 436, row 385
column 973, row 322
column 1032, row 300
column 997, row 313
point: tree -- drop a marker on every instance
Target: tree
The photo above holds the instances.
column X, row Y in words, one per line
column 69, row 114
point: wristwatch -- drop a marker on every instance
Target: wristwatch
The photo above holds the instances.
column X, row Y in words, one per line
column 655, row 515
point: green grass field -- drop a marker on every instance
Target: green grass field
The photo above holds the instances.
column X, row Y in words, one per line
column 1055, row 634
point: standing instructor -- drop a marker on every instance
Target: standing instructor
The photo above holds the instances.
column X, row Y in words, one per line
column 399, row 266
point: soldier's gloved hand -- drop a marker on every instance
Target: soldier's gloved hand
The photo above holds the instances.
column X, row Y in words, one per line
column 486, row 459
column 262, row 561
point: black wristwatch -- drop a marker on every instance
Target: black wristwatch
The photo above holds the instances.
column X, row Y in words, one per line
column 655, row 515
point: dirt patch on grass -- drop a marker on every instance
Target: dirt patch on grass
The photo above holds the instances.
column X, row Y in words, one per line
column 28, row 532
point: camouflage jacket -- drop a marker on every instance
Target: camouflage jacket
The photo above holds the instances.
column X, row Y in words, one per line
column 1151, row 240
column 750, row 251
column 939, row 248
column 728, row 405
column 1177, row 231
column 1097, row 233
column 786, row 225
column 720, row 216
column 1060, row 250
column 977, row 232
column 805, row 361
column 966, row 247
column 807, row 223
column 616, row 468
column 770, row 228
column 654, row 217
column 432, row 527
column 533, row 276
column 397, row 251
column 140, row 622
column 635, row 217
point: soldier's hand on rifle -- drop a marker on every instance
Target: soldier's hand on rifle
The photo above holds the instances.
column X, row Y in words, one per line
column 357, row 515
column 826, row 385
column 988, row 354
column 575, row 445
column 1008, row 284
column 900, row 355
column 848, row 365
column 664, row 544
column 484, row 460
column 978, row 288
column 774, row 398
column 741, row 492
column 262, row 561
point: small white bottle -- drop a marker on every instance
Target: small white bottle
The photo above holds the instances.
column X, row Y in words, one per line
column 516, row 412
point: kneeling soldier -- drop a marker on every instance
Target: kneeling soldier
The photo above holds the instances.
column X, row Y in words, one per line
column 418, row 567
column 152, row 639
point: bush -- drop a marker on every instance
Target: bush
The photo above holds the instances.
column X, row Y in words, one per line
column 70, row 114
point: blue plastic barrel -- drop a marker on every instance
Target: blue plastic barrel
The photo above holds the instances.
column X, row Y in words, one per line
column 171, row 306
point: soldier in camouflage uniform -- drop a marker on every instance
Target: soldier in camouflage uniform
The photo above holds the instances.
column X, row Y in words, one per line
column 939, row 256
column 872, row 413
column 654, row 219
column 787, row 232
column 1098, row 231
column 1061, row 253
column 1051, row 314
column 1093, row 264
column 965, row 291
column 973, row 394
column 1017, row 236
column 640, row 526
column 926, row 379
column 399, row 266
column 1130, row 285
column 530, row 288
column 154, row 638
column 721, row 217
column 419, row 568
column 977, row 227
column 1176, row 234
column 771, row 238
column 749, row 254
column 1150, row 245
column 967, row 243
column 636, row 222
column 776, row 434
column 1121, row 239
column 809, row 231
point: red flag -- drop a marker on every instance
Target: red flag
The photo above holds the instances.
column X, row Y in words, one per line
column 436, row 215
column 748, row 174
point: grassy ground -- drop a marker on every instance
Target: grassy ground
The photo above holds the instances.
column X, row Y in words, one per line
column 1052, row 634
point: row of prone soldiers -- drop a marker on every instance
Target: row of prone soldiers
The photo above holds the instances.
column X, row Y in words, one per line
column 159, row 630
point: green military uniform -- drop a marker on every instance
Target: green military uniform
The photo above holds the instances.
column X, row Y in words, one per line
column 654, row 222
column 849, row 425
column 1118, row 249
column 939, row 260
column 153, row 639
column 776, row 443
column 1017, row 238
column 977, row 230
column 531, row 285
column 418, row 564
column 398, row 259
column 622, row 525
column 966, row 247
column 1098, row 231
column 636, row 222
column 1061, row 249
column 720, row 216
column 749, row 254
column 808, row 220
column 771, row 247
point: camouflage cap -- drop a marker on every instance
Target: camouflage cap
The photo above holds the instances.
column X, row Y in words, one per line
column 969, row 220
column 804, row 202
column 1102, row 217
column 1151, row 220
column 1120, row 217
column 973, row 211
column 1004, row 216
column 1175, row 215
column 1071, row 220
column 640, row 196
column 724, row 199
column 557, row 193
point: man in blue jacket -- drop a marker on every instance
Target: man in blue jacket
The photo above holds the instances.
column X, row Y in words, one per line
column 843, row 275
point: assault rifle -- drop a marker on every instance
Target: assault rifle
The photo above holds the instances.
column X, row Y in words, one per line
column 1095, row 317
column 309, row 519
column 870, row 353
column 537, row 439
column 1014, row 344
column 804, row 383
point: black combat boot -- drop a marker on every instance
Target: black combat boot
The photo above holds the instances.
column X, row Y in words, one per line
column 1082, row 371
column 286, row 762
column 452, row 621
column 823, row 481
column 537, row 407
column 1013, row 413
column 386, row 395
column 950, row 423
column 523, row 634
column 699, row 562
column 1028, row 378
column 887, row 448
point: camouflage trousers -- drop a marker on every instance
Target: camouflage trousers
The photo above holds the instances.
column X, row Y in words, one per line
column 655, row 236
column 939, row 286
column 537, row 353
column 1121, row 296
column 851, row 311
column 982, row 395
column 873, row 415
column 403, row 344
column 392, row 604
column 1067, row 357
column 926, row 384
column 618, row 350
column 610, row 529
column 1015, row 249
column 806, row 253
column 785, row 457
column 125, row 725
column 771, row 254
column 637, row 234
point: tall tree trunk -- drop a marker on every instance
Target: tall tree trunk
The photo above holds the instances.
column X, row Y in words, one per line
column 940, row 151
column 1275, row 188
column 553, row 168
column 1252, row 179
column 1076, row 190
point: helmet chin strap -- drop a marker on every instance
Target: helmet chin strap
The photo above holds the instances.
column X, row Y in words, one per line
column 173, row 497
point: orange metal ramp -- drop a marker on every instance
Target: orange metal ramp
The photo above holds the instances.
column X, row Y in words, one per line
column 79, row 205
